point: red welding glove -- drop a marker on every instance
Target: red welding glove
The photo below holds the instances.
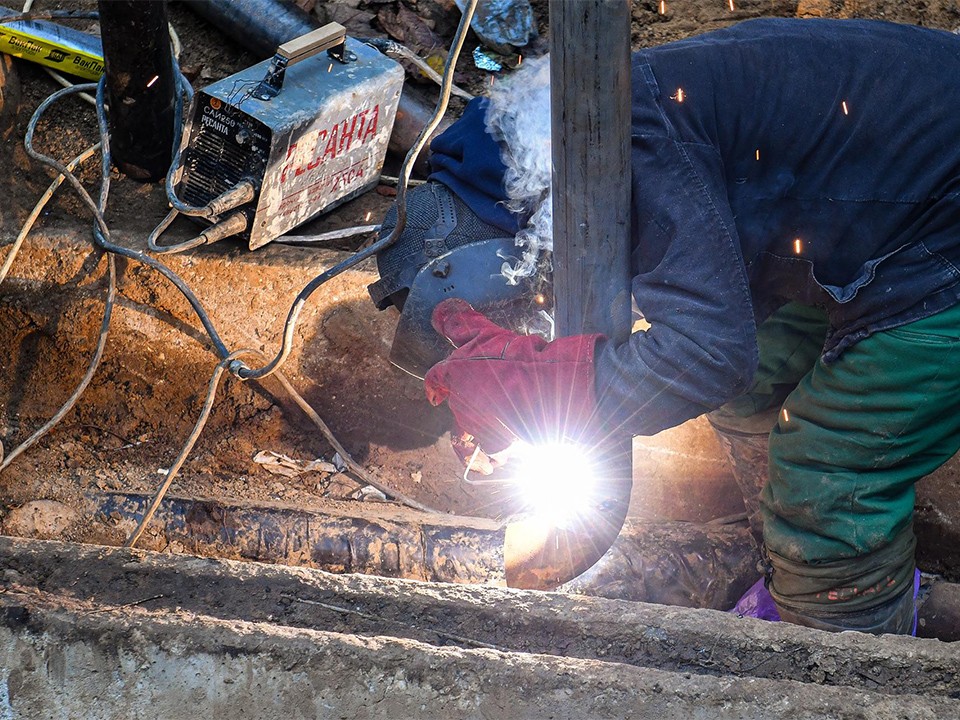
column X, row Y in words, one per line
column 502, row 386
column 475, row 460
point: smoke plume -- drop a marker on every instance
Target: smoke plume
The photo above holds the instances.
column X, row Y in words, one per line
column 519, row 115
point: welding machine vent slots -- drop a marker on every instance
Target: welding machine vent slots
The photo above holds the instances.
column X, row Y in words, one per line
column 309, row 129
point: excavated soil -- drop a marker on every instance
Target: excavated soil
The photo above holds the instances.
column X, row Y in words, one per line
column 145, row 397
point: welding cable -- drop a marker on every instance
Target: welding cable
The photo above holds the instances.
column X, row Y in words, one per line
column 101, row 233
column 239, row 368
column 391, row 48
column 352, row 465
column 391, row 181
column 38, row 208
column 185, row 451
column 327, row 236
column 104, row 327
column 228, row 227
column 63, row 82
column 202, row 421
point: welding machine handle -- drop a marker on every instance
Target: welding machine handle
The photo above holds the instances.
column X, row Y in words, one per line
column 329, row 36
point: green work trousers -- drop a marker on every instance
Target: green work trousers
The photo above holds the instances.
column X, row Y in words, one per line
column 851, row 440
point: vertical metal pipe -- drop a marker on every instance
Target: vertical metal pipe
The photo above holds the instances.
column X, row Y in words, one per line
column 138, row 61
column 590, row 119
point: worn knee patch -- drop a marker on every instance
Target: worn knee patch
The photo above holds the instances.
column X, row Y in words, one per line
column 851, row 585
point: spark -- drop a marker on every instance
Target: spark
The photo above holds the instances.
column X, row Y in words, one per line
column 330, row 67
column 678, row 96
column 540, row 299
column 798, row 246
column 844, row 106
column 758, row 153
column 367, row 216
column 663, row 7
column 731, row 6
column 786, row 415
column 519, row 60
column 153, row 80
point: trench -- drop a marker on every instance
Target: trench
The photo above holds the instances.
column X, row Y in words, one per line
column 256, row 594
column 91, row 486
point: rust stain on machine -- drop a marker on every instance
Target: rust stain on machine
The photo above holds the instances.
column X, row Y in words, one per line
column 315, row 139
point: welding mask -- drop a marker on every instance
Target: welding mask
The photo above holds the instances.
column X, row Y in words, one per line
column 445, row 251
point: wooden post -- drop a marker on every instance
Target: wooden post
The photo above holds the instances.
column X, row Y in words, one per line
column 590, row 117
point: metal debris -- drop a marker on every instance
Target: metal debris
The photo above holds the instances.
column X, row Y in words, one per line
column 503, row 24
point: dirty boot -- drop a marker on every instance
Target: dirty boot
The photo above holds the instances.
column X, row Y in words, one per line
column 745, row 442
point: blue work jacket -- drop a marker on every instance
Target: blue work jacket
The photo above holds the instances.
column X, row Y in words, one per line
column 776, row 160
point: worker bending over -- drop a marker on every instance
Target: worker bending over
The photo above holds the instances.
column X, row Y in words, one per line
column 796, row 252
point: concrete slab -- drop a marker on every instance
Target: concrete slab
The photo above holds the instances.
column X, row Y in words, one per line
column 130, row 665
column 106, row 633
column 640, row 634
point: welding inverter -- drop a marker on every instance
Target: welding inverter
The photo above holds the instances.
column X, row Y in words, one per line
column 307, row 129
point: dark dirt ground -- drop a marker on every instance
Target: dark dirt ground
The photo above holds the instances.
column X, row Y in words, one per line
column 127, row 425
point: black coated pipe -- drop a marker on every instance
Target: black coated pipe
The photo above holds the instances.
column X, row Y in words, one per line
column 259, row 26
column 138, row 62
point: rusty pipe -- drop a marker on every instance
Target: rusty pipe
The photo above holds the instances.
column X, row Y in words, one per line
column 368, row 538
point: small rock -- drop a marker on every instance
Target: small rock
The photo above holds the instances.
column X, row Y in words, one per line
column 368, row 493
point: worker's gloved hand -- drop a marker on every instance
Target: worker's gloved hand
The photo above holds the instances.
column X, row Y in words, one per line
column 502, row 386
column 475, row 460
